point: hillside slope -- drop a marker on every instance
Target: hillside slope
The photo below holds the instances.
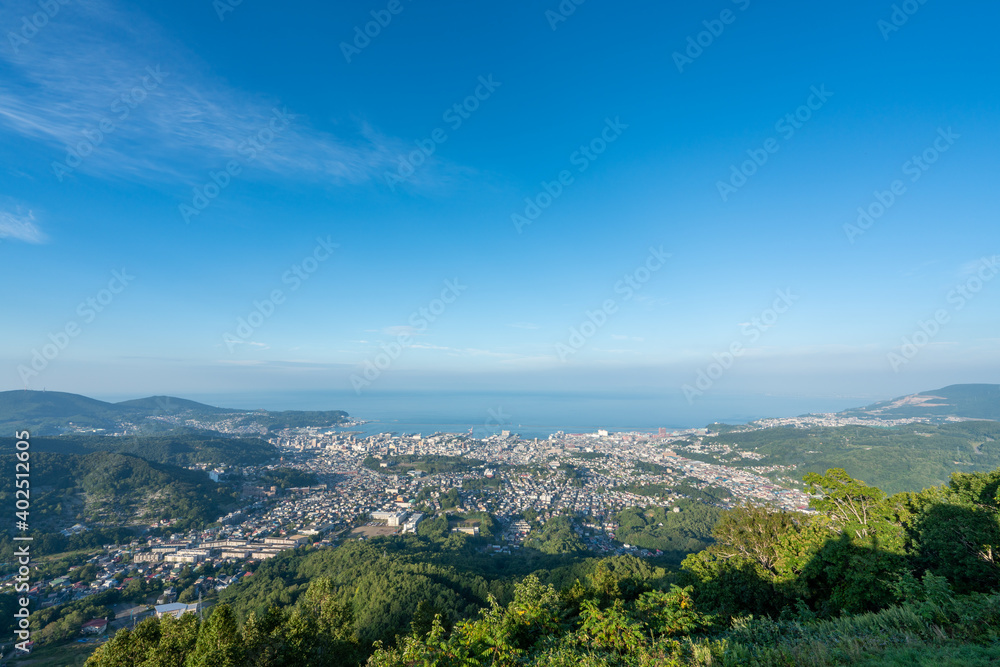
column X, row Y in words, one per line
column 56, row 412
column 966, row 401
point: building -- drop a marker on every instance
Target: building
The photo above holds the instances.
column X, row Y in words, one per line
column 175, row 609
column 98, row 626
column 187, row 556
column 291, row 541
column 411, row 525
column 391, row 518
column 150, row 557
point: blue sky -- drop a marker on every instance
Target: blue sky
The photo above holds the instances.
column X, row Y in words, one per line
column 156, row 98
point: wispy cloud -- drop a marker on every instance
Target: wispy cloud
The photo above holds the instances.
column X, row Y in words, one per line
column 92, row 63
column 464, row 351
column 250, row 343
column 974, row 265
column 920, row 268
column 400, row 330
column 20, row 228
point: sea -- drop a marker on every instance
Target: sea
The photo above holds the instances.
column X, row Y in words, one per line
column 532, row 415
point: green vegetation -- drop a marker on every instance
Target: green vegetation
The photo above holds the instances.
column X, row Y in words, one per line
column 712, row 495
column 868, row 579
column 182, row 449
column 903, row 458
column 71, row 547
column 481, row 483
column 115, row 490
column 970, row 401
column 646, row 466
column 55, row 412
column 168, row 405
column 49, row 412
column 275, row 421
column 675, row 533
column 575, row 475
column 58, row 624
column 286, row 478
column 559, row 535
column 428, row 463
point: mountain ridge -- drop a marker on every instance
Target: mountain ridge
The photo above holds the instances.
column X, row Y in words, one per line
column 54, row 412
column 959, row 401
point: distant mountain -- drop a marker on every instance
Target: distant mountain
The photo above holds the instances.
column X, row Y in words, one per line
column 965, row 401
column 170, row 405
column 115, row 489
column 56, row 412
column 46, row 410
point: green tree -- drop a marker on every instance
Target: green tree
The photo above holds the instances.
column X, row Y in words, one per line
column 753, row 533
column 954, row 531
column 850, row 502
column 219, row 642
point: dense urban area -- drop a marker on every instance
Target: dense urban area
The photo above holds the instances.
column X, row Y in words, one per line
column 291, row 489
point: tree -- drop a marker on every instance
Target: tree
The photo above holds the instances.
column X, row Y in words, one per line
column 752, row 532
column 611, row 628
column 128, row 647
column 671, row 612
column 850, row 502
column 954, row 531
column 219, row 643
column 178, row 637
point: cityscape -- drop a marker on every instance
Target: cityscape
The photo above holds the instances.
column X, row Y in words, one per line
column 382, row 333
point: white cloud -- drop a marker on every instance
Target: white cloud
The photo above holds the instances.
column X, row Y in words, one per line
column 20, row 228
column 400, row 330
column 72, row 75
column 251, row 343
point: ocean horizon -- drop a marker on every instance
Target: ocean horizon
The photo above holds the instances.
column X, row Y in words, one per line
column 532, row 414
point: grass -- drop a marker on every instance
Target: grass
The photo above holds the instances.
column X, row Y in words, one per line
column 962, row 631
column 73, row 654
column 71, row 555
column 924, row 655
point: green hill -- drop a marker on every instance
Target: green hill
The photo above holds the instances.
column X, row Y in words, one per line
column 48, row 410
column 170, row 405
column 867, row 579
column 965, row 401
column 962, row 436
column 898, row 458
column 56, row 412
column 110, row 489
column 182, row 449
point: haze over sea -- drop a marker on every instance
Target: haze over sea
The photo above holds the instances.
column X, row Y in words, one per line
column 530, row 414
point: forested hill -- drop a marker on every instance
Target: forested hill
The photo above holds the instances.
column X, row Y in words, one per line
column 169, row 405
column 42, row 410
column 966, row 401
column 182, row 449
column 113, row 490
column 55, row 412
column 908, row 457
column 867, row 579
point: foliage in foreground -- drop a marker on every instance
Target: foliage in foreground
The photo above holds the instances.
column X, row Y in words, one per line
column 867, row 579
